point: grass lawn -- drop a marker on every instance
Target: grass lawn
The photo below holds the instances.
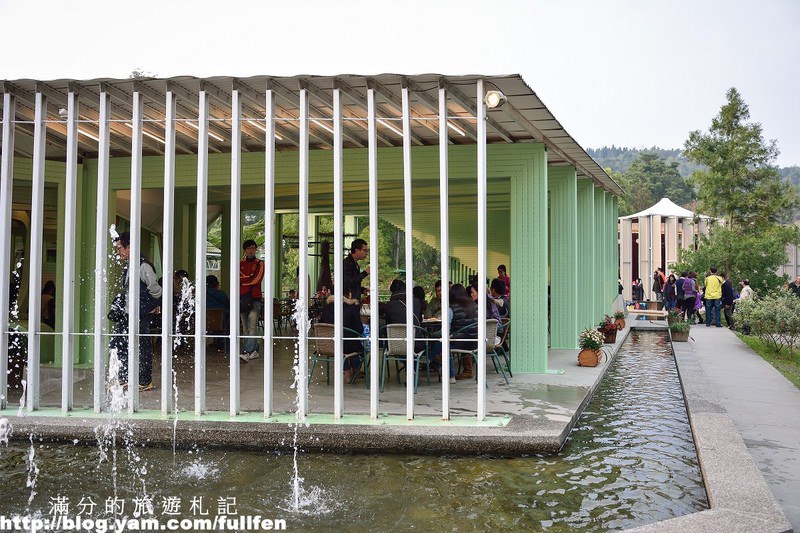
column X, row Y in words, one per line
column 786, row 363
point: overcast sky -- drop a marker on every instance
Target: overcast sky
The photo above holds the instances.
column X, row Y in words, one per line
column 626, row 72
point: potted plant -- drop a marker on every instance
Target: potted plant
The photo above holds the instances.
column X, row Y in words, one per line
column 673, row 316
column 609, row 329
column 679, row 331
column 619, row 319
column 590, row 342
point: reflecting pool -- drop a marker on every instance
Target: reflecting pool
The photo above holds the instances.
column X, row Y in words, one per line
column 629, row 461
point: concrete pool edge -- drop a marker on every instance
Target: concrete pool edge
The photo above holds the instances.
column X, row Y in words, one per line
column 738, row 496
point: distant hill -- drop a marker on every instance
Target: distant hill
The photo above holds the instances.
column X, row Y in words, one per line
column 619, row 159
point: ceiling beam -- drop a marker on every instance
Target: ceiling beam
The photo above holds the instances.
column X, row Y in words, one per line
column 288, row 96
column 323, row 97
column 260, row 100
column 397, row 103
column 433, row 104
column 358, row 99
column 466, row 102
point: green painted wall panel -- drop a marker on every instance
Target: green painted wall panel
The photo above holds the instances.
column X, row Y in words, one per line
column 600, row 254
column 587, row 263
column 563, row 225
column 529, row 262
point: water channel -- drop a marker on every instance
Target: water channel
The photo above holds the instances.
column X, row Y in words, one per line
column 629, row 461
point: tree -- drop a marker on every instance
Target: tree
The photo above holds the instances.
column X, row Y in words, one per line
column 647, row 180
column 741, row 187
column 741, row 182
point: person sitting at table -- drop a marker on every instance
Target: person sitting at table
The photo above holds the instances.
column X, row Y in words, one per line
column 351, row 319
column 491, row 308
column 498, row 291
column 463, row 325
column 434, row 308
column 419, row 293
column 395, row 308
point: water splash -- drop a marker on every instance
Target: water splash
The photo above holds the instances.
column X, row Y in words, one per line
column 199, row 470
column 33, row 471
column 6, row 429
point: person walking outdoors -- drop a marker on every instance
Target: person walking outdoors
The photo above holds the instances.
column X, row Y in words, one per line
column 670, row 293
column 149, row 302
column 251, row 273
column 795, row 286
column 690, row 292
column 713, row 296
column 727, row 300
column 658, row 284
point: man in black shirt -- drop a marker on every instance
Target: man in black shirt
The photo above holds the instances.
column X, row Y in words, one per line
column 351, row 272
column 795, row 286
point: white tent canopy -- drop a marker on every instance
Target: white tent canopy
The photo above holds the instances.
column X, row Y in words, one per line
column 665, row 208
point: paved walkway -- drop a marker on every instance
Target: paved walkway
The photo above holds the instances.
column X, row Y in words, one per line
column 764, row 406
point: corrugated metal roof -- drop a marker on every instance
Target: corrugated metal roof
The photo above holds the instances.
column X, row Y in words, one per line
column 524, row 118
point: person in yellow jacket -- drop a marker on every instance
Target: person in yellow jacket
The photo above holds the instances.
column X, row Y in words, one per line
column 713, row 296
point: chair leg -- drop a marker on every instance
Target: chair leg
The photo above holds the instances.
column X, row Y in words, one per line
column 328, row 372
column 384, row 365
column 416, row 373
column 497, row 364
column 508, row 362
column 311, row 370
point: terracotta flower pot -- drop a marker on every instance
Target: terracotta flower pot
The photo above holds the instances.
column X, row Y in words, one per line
column 587, row 357
column 620, row 323
column 610, row 336
column 680, row 336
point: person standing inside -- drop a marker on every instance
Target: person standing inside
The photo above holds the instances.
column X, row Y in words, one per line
column 713, row 296
column 351, row 272
column 251, row 274
column 502, row 275
column 149, row 302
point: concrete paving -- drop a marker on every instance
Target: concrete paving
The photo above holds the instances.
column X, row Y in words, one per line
column 764, row 407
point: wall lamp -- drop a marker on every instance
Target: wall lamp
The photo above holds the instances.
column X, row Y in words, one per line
column 494, row 99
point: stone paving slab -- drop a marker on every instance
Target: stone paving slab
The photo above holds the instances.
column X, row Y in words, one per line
column 738, row 494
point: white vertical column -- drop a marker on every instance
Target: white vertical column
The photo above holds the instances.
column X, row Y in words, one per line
column 444, row 240
column 168, row 261
column 338, row 223
column 409, row 253
column 626, row 256
column 481, row 252
column 201, row 228
column 6, row 192
column 236, row 181
column 269, row 244
column 134, row 265
column 35, row 263
column 68, row 289
column 374, row 324
column 302, row 365
column 101, row 236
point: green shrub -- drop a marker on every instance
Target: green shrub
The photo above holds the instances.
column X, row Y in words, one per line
column 679, row 327
column 775, row 319
column 619, row 314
